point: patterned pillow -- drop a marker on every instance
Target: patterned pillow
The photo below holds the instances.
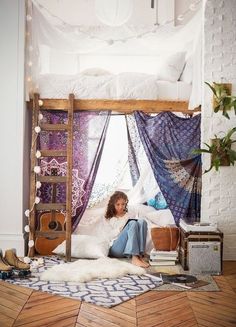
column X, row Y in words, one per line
column 158, row 202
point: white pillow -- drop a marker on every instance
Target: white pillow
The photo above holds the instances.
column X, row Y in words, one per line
column 170, row 68
column 85, row 246
column 95, row 72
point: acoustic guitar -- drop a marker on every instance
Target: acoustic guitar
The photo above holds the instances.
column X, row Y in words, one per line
column 50, row 221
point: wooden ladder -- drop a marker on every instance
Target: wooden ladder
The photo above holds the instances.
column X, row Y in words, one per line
column 33, row 233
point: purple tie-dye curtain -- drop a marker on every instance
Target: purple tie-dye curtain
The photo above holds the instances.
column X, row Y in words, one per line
column 168, row 141
column 89, row 132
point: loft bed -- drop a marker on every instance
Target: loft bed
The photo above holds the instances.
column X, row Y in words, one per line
column 70, row 105
column 164, row 77
column 121, row 106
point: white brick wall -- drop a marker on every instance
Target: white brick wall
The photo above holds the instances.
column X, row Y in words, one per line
column 219, row 188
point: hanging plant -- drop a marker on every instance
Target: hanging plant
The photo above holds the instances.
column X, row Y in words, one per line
column 222, row 98
column 220, row 150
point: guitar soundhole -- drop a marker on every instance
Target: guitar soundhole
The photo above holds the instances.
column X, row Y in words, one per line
column 52, row 225
column 55, row 225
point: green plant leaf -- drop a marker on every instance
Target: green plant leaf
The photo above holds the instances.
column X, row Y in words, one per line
column 225, row 113
column 230, row 133
column 212, row 88
column 217, row 108
column 200, row 151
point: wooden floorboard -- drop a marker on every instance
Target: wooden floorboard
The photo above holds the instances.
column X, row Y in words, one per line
column 23, row 307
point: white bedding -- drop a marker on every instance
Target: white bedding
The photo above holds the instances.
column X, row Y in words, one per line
column 110, row 86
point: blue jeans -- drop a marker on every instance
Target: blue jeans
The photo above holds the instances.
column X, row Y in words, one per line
column 131, row 241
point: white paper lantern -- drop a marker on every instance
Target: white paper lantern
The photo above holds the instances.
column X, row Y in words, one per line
column 26, row 228
column 31, row 243
column 114, row 12
column 37, row 170
column 27, row 213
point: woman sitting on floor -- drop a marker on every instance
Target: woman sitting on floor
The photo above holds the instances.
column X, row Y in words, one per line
column 127, row 235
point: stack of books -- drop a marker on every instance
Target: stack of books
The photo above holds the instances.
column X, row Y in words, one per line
column 163, row 258
column 198, row 227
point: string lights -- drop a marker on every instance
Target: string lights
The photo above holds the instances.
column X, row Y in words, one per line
column 37, row 171
column 80, row 30
column 103, row 35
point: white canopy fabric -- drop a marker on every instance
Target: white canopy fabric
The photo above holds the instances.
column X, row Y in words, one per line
column 50, row 32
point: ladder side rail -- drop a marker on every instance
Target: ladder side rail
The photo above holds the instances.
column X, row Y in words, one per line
column 32, row 214
column 69, row 176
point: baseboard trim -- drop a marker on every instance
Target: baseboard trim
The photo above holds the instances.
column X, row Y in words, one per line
column 16, row 241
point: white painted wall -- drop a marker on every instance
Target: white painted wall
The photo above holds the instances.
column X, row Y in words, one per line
column 219, row 188
column 12, row 123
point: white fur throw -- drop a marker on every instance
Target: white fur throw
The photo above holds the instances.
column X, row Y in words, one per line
column 86, row 270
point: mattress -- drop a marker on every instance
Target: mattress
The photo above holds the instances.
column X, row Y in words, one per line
column 109, row 86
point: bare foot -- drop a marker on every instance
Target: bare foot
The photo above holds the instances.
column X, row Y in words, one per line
column 138, row 262
column 142, row 259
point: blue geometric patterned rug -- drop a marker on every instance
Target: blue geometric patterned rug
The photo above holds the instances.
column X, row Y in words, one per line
column 104, row 292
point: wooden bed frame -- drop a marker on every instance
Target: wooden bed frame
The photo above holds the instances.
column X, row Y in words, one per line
column 71, row 105
column 123, row 106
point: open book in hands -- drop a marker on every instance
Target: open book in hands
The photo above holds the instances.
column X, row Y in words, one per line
column 130, row 219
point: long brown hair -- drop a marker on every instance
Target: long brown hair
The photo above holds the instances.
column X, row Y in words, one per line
column 111, row 211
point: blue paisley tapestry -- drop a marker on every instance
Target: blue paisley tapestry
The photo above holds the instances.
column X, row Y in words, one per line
column 168, row 141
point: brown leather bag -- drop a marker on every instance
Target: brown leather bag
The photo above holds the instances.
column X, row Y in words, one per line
column 165, row 238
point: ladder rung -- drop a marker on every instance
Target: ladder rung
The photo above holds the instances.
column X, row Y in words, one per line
column 52, row 179
column 51, row 206
column 53, row 153
column 52, row 233
column 54, row 127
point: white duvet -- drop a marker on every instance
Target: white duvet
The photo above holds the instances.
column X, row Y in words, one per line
column 110, row 86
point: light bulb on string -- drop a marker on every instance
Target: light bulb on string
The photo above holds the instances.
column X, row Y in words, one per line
column 40, row 117
column 37, row 169
column 40, row 102
column 27, row 213
column 27, row 228
column 29, row 79
column 37, row 200
column 30, row 63
column 38, row 184
column 31, row 243
column 37, row 129
column 38, row 154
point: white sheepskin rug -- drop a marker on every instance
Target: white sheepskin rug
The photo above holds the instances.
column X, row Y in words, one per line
column 86, row 270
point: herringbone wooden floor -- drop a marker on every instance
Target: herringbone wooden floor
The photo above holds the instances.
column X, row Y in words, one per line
column 24, row 307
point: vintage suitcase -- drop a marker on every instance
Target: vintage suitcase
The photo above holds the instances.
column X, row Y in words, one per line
column 202, row 249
